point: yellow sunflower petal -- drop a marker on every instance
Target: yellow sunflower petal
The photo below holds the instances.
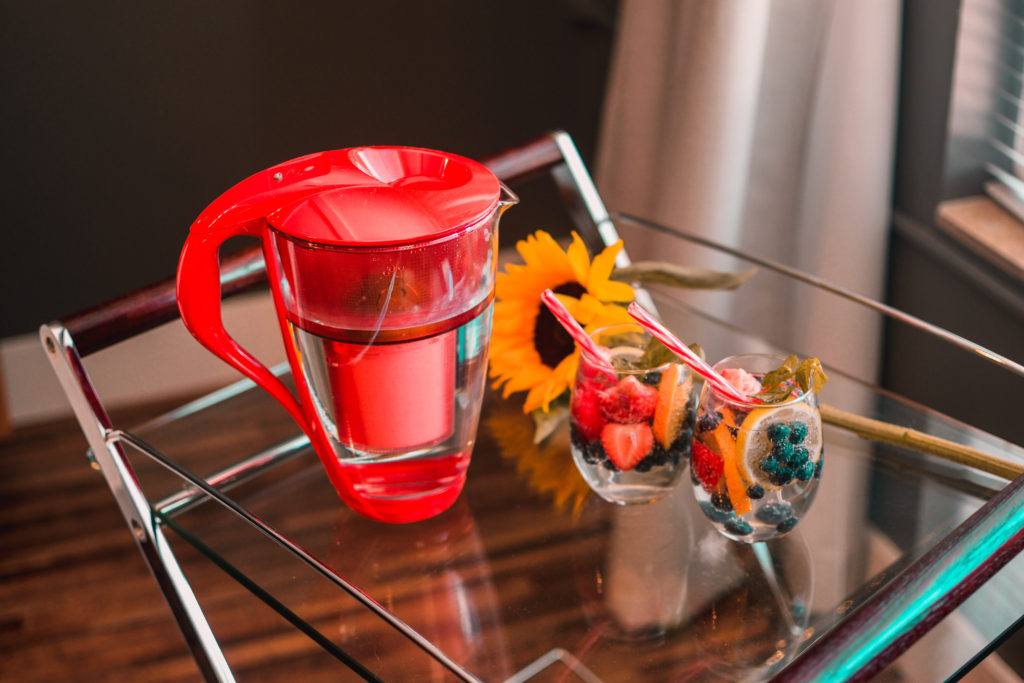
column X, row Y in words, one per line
column 579, row 259
column 600, row 271
column 603, row 263
column 610, row 290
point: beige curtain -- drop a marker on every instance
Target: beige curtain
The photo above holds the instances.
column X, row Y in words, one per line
column 767, row 126
column 764, row 125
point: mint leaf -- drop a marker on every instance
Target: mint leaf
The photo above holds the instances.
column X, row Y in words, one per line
column 807, row 374
column 810, row 376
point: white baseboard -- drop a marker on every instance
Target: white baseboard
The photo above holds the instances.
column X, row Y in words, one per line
column 164, row 363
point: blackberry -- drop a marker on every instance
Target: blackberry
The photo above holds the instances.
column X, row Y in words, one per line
column 797, row 431
column 708, row 422
column 721, row 501
column 806, row 470
column 740, row 527
column 714, row 514
column 786, row 525
column 644, row 465
column 778, row 432
column 773, row 513
column 755, row 492
column 575, row 437
column 593, row 452
column 652, row 378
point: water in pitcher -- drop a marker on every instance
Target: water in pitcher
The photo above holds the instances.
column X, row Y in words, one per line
column 401, row 409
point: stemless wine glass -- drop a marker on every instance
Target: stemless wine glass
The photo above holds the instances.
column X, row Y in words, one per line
column 631, row 426
column 755, row 466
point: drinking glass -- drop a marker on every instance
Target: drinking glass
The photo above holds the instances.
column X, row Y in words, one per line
column 755, row 465
column 631, row 423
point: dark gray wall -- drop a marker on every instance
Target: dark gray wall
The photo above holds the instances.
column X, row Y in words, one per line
column 935, row 279
column 124, row 119
column 931, row 276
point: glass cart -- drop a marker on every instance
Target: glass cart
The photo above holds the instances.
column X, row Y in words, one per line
column 919, row 516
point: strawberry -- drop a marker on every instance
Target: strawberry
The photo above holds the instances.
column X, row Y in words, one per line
column 627, row 444
column 707, row 465
column 629, row 401
column 586, row 412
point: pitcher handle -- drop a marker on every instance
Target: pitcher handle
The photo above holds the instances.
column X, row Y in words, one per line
column 199, row 302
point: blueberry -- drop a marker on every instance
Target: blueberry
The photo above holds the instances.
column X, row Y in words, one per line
column 797, row 432
column 786, row 525
column 769, row 465
column 782, row 476
column 738, row 526
column 644, row 465
column 721, row 501
column 805, row 471
column 817, row 468
column 778, row 431
column 800, row 456
column 773, row 513
column 783, row 452
column 714, row 514
column 680, row 450
column 681, row 446
column 755, row 492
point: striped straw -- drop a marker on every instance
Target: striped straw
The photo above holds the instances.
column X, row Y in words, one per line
column 573, row 328
column 699, row 365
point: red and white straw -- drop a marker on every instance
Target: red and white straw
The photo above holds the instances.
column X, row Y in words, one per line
column 563, row 316
column 699, row 365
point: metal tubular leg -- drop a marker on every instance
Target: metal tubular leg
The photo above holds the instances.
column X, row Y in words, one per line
column 116, row 469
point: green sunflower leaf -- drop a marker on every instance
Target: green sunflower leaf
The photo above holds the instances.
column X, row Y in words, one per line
column 546, row 423
column 687, row 277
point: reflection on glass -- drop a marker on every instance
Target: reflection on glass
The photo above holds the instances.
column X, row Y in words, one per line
column 749, row 603
column 435, row 576
column 634, row 583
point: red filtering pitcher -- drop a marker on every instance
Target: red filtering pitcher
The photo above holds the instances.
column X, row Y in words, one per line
column 381, row 263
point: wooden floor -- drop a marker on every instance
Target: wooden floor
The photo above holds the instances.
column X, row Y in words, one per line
column 77, row 602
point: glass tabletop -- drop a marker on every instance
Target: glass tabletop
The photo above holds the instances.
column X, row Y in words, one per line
column 521, row 581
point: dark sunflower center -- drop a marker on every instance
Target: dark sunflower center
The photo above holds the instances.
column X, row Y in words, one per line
column 550, row 339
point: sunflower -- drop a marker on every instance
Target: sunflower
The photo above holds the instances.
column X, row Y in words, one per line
column 530, row 351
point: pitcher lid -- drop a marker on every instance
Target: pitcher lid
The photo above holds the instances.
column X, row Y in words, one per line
column 391, row 195
column 362, row 196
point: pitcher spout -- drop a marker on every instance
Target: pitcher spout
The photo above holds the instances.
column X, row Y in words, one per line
column 506, row 199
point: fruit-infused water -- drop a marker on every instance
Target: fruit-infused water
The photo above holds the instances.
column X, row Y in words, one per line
column 631, row 427
column 756, row 466
column 401, row 411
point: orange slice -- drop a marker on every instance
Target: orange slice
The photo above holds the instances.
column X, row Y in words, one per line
column 673, row 402
column 752, row 443
column 734, row 484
